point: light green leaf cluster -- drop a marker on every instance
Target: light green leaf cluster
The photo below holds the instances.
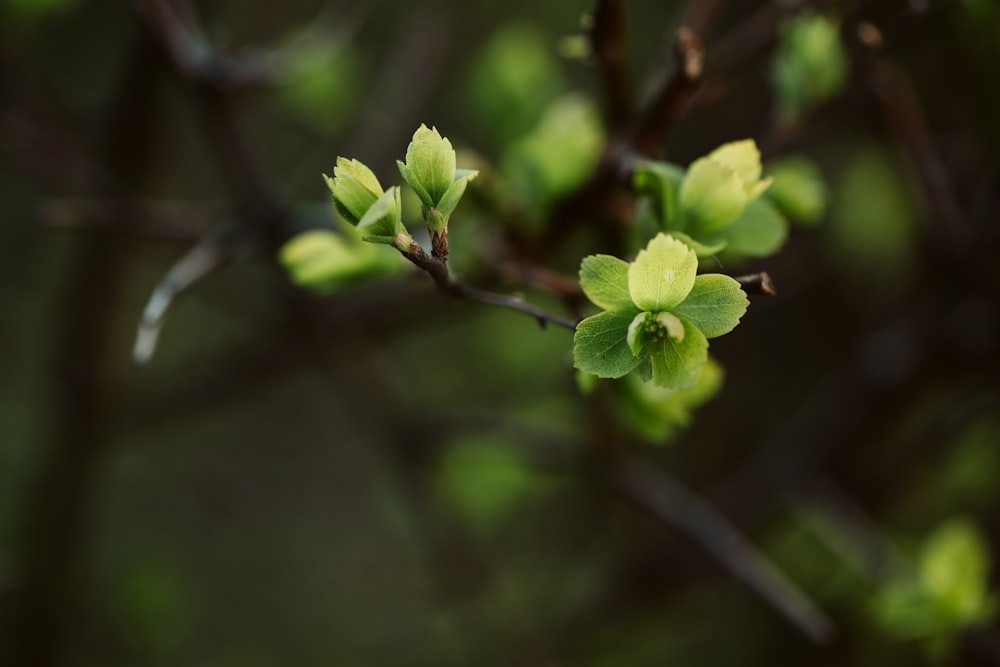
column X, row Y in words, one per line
column 484, row 480
column 948, row 594
column 657, row 413
column 715, row 204
column 810, row 64
column 430, row 169
column 798, row 189
column 510, row 81
column 557, row 155
column 875, row 218
column 361, row 201
column 658, row 314
column 324, row 261
column 320, row 81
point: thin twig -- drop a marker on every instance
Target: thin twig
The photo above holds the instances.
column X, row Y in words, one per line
column 208, row 255
column 757, row 283
column 437, row 269
column 665, row 498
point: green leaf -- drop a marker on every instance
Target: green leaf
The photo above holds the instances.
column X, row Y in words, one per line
column 558, row 155
column 759, row 231
column 511, row 80
column 743, row 157
column 600, row 345
column 657, row 413
column 678, row 364
column 323, row 261
column 661, row 181
column 715, row 305
column 354, row 188
column 954, row 569
column 483, row 478
column 320, row 79
column 810, row 64
column 451, row 198
column 662, row 274
column 706, row 246
column 712, row 194
column 875, row 217
column 382, row 218
column 604, row 279
column 414, row 182
column 799, row 190
column 432, row 161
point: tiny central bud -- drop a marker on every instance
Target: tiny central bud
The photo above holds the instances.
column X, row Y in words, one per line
column 651, row 330
column 672, row 325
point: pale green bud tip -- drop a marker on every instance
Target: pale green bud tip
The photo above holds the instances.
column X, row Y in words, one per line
column 357, row 171
column 717, row 187
column 431, row 161
column 423, row 133
column 743, row 157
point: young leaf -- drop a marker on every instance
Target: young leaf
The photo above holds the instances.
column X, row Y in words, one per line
column 382, row 218
column 604, row 279
column 414, row 182
column 601, row 348
column 954, row 568
column 743, row 157
column 715, row 305
column 354, row 188
column 432, row 161
column 661, row 181
column 657, row 413
column 799, row 190
column 758, row 232
column 451, row 198
column 712, row 193
column 677, row 364
column 324, row 261
column 705, row 246
column 662, row 274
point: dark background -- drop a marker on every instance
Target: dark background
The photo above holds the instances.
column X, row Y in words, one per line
column 386, row 476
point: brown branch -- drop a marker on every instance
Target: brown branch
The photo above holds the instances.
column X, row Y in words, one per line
column 48, row 606
column 675, row 90
column 603, row 194
column 757, row 283
column 665, row 498
column 610, row 49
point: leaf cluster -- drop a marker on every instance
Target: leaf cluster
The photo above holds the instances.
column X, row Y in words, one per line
column 658, row 314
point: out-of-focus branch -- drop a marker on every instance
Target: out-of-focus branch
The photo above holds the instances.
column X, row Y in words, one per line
column 183, row 221
column 674, row 91
column 666, row 499
column 609, row 46
column 642, row 136
column 905, row 120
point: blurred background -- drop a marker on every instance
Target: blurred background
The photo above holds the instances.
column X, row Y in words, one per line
column 383, row 475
